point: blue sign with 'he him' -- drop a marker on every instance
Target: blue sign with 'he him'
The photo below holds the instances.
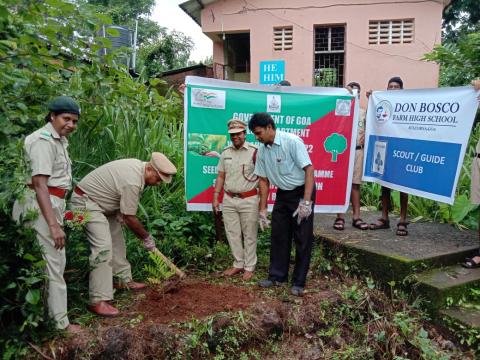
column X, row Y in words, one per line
column 272, row 72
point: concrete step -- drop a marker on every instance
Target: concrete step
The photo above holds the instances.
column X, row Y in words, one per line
column 452, row 282
column 391, row 257
column 431, row 252
column 469, row 318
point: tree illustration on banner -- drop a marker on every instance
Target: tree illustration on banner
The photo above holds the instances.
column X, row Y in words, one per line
column 335, row 144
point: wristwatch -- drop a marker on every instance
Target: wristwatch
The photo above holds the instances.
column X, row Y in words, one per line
column 308, row 202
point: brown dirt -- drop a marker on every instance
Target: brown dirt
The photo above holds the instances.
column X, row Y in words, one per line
column 146, row 328
column 191, row 300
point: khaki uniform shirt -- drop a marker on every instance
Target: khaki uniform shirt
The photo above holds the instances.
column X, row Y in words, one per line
column 46, row 154
column 238, row 166
column 116, row 186
column 361, row 126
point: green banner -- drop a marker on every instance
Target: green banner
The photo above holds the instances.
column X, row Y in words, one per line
column 322, row 117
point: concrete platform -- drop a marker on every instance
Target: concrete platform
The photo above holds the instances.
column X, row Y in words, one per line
column 466, row 317
column 436, row 285
column 392, row 257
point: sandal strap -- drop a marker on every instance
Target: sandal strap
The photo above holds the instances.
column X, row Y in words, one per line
column 339, row 221
column 358, row 221
column 384, row 221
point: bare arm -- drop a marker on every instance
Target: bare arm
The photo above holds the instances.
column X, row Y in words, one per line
column 136, row 226
column 218, row 188
column 263, row 186
column 39, row 183
column 476, row 84
column 309, row 181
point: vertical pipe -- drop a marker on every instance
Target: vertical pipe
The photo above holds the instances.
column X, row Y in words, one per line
column 134, row 55
column 104, row 35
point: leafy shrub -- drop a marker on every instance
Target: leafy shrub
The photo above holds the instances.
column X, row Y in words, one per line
column 49, row 48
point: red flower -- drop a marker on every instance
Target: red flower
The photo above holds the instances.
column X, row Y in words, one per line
column 69, row 215
column 80, row 218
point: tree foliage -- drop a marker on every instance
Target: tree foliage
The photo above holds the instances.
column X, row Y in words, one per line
column 50, row 48
column 460, row 17
column 159, row 48
column 124, row 11
column 169, row 51
column 460, row 61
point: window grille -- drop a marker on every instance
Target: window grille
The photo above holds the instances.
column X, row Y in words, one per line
column 390, row 32
column 283, row 38
column 329, row 56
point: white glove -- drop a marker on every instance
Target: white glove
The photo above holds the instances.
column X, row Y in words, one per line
column 303, row 211
column 263, row 220
column 149, row 243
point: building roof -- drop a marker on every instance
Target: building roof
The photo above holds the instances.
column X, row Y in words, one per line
column 184, row 69
column 194, row 7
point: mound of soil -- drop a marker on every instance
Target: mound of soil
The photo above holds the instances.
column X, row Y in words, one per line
column 192, row 300
column 307, row 322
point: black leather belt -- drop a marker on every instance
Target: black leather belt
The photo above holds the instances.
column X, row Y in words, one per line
column 359, row 147
column 477, row 155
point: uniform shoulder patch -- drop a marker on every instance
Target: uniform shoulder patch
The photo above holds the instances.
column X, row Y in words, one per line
column 253, row 146
column 227, row 148
column 45, row 135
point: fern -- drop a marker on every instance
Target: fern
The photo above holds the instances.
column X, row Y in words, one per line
column 158, row 270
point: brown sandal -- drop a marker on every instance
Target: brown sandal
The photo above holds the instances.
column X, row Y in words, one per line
column 380, row 224
column 339, row 224
column 360, row 224
column 402, row 229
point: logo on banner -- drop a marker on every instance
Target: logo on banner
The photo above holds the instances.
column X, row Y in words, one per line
column 274, row 103
column 343, row 107
column 380, row 154
column 383, row 111
column 208, row 98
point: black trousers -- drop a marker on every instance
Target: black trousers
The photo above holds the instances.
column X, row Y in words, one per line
column 284, row 230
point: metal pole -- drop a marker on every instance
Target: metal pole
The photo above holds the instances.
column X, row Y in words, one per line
column 134, row 55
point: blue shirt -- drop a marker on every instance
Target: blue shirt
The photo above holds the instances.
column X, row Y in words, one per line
column 283, row 161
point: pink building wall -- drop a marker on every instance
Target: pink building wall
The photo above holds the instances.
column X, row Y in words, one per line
column 370, row 65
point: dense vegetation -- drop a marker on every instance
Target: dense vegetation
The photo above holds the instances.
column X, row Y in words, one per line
column 49, row 48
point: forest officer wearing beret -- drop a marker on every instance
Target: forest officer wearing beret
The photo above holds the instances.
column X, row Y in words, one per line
column 50, row 179
column 111, row 194
column 240, row 200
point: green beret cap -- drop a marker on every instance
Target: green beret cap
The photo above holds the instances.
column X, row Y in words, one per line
column 64, row 104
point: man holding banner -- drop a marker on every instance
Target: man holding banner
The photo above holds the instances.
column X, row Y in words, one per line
column 240, row 202
column 475, row 190
column 357, row 222
column 395, row 83
column 415, row 143
column 284, row 162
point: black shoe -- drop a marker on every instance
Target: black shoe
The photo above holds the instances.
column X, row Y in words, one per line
column 297, row 290
column 268, row 283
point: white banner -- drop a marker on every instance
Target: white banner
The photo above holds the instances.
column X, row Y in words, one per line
column 416, row 140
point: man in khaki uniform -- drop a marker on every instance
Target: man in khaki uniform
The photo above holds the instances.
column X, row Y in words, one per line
column 339, row 223
column 240, row 201
column 111, row 194
column 475, row 189
column 51, row 178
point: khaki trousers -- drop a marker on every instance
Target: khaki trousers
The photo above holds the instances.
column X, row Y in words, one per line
column 55, row 259
column 108, row 252
column 240, row 217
